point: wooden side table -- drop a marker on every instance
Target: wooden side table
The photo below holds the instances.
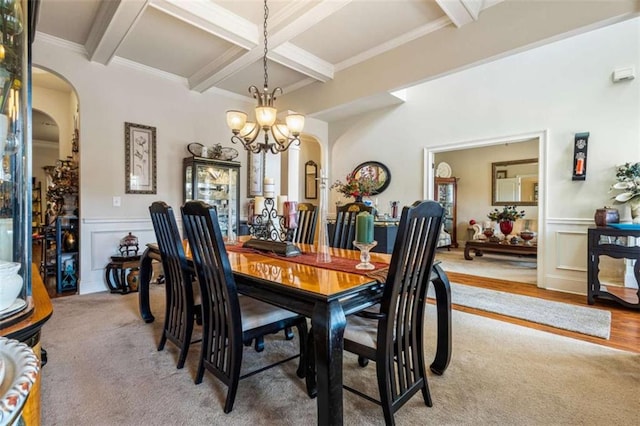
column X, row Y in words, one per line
column 615, row 243
column 122, row 274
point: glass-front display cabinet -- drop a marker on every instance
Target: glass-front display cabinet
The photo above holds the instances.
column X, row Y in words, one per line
column 216, row 183
column 15, row 165
column 446, row 193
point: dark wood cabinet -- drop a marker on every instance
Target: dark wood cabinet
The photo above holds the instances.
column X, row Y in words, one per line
column 217, row 183
column 60, row 254
column 446, row 193
column 618, row 244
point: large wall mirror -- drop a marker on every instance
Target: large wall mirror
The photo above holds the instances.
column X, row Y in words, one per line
column 515, row 182
column 378, row 171
column 311, row 180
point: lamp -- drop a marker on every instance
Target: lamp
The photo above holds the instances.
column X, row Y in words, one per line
column 246, row 132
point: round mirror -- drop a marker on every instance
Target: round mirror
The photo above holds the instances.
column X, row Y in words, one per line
column 377, row 171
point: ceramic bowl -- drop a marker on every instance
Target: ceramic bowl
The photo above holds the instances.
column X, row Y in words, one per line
column 10, row 283
column 527, row 236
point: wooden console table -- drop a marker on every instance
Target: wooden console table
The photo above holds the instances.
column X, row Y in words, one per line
column 612, row 242
column 480, row 246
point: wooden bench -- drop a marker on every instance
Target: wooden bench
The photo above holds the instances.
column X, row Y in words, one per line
column 480, row 246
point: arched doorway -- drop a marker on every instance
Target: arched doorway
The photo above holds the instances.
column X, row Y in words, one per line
column 56, row 171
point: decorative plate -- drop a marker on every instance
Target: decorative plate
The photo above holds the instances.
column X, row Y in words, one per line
column 228, row 153
column 443, row 170
column 21, row 370
column 195, row 149
column 16, row 306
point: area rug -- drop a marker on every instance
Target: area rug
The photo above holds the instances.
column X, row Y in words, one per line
column 104, row 369
column 490, row 265
column 593, row 322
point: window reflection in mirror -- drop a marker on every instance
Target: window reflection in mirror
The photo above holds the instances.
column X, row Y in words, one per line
column 515, row 182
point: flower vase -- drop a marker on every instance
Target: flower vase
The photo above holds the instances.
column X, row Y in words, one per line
column 635, row 211
column 69, row 204
column 358, row 198
column 506, row 226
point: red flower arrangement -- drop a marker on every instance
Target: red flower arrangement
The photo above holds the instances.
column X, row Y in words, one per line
column 355, row 186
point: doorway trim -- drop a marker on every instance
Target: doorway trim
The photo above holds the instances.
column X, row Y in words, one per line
column 543, row 142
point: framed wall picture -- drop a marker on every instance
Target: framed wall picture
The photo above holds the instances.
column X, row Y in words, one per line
column 139, row 159
column 255, row 174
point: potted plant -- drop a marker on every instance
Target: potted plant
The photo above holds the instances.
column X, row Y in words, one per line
column 355, row 187
column 505, row 218
column 628, row 181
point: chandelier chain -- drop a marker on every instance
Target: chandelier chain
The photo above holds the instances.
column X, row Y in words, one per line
column 264, row 59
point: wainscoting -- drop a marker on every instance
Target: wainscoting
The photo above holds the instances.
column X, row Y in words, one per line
column 100, row 239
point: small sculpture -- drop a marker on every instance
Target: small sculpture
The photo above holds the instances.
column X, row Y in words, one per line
column 129, row 245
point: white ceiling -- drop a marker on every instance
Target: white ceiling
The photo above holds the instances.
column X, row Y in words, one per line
column 219, row 44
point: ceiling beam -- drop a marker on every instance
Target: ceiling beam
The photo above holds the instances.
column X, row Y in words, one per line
column 461, row 12
column 214, row 19
column 283, row 29
column 298, row 59
column 114, row 20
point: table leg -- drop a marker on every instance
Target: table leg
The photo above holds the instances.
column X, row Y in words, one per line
column 467, row 256
column 143, row 286
column 328, row 322
column 443, row 303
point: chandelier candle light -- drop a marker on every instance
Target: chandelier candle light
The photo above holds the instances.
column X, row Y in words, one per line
column 246, row 132
column 364, row 239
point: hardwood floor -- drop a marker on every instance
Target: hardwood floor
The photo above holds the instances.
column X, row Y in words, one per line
column 625, row 323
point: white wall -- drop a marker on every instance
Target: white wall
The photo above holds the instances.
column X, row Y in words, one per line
column 564, row 88
column 108, row 97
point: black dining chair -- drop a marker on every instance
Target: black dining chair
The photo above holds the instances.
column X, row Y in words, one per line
column 306, row 230
column 393, row 336
column 229, row 321
column 181, row 309
column 392, row 332
column 344, row 230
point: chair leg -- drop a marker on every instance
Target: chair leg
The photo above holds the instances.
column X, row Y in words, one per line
column 259, row 344
column 163, row 340
column 362, row 361
column 426, row 394
column 231, row 394
column 288, row 333
column 200, row 373
column 385, row 399
column 186, row 342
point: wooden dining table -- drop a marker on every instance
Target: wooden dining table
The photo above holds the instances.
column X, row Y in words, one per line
column 327, row 297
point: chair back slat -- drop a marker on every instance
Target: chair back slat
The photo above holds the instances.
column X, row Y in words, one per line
column 306, row 230
column 222, row 331
column 179, row 292
column 345, row 226
column 403, row 302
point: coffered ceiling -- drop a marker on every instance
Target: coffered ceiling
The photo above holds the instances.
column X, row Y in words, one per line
column 218, row 44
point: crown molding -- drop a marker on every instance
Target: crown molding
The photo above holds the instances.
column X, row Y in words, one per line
column 65, row 44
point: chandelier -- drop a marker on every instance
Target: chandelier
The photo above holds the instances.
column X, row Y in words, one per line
column 246, row 132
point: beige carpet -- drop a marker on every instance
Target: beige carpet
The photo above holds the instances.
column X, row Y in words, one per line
column 104, row 370
column 505, row 267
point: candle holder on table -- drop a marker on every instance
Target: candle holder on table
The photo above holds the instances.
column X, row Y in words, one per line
column 271, row 232
column 365, row 257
